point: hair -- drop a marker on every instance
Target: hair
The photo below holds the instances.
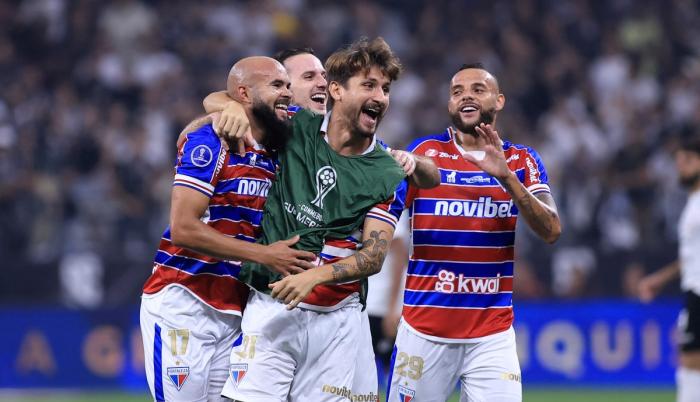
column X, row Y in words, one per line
column 478, row 66
column 361, row 56
column 283, row 55
column 690, row 141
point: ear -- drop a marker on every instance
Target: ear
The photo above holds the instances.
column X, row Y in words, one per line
column 500, row 102
column 243, row 94
column 335, row 90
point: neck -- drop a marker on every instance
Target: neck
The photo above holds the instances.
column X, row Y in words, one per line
column 469, row 141
column 342, row 139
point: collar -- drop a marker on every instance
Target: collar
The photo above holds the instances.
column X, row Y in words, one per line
column 324, row 130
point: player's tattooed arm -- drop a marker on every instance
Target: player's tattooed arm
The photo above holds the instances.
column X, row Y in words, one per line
column 377, row 236
column 539, row 210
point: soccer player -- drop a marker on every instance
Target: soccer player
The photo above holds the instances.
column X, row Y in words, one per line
column 688, row 268
column 308, row 85
column 191, row 304
column 457, row 314
column 335, row 180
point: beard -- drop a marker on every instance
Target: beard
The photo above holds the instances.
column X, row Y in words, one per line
column 485, row 116
column 689, row 181
column 277, row 132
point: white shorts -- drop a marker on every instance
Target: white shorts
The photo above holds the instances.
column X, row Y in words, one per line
column 365, row 385
column 298, row 355
column 423, row 370
column 186, row 346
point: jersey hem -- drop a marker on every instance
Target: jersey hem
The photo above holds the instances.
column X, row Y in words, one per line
column 452, row 340
column 196, row 296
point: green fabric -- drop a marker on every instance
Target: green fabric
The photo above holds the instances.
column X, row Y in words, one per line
column 320, row 194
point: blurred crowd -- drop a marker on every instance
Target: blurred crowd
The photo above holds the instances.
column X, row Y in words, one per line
column 94, row 93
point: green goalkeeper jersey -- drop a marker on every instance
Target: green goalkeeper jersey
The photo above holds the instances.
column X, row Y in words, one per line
column 320, row 194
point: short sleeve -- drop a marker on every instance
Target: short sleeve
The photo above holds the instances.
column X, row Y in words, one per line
column 535, row 178
column 200, row 160
column 390, row 210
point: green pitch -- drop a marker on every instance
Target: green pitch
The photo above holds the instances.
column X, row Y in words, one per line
column 536, row 395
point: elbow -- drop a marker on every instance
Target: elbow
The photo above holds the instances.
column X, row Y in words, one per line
column 554, row 234
column 180, row 235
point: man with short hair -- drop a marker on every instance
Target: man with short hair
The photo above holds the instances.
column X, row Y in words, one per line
column 191, row 303
column 335, row 180
column 688, row 268
column 457, row 316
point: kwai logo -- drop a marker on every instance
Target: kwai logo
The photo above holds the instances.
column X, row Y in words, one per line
column 484, row 207
column 325, row 181
column 448, row 282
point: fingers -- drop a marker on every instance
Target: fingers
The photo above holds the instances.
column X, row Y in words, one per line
column 220, row 123
column 248, row 139
column 291, row 240
column 240, row 145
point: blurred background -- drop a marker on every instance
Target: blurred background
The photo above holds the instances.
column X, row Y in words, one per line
column 94, row 93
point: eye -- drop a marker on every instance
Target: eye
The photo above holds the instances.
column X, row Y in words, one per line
column 368, row 85
column 386, row 89
column 456, row 92
column 479, row 90
column 308, row 76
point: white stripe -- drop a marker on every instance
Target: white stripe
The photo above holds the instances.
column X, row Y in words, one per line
column 186, row 179
column 337, row 251
column 462, row 262
column 456, row 308
column 383, row 213
column 458, row 246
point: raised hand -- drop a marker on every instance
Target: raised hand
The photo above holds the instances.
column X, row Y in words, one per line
column 280, row 257
column 493, row 161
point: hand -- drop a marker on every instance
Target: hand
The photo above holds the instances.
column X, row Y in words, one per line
column 405, row 159
column 233, row 126
column 494, row 160
column 285, row 260
column 649, row 287
column 294, row 288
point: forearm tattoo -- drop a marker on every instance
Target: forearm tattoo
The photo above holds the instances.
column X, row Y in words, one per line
column 541, row 219
column 368, row 260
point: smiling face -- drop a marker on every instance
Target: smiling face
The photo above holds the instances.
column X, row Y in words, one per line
column 363, row 100
column 309, row 83
column 270, row 88
column 474, row 99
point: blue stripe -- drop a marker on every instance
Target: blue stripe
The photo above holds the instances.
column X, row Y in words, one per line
column 158, row 365
column 235, row 213
column 231, row 186
column 468, row 269
column 457, row 299
column 479, row 179
column 455, row 238
column 197, row 267
column 238, row 341
column 391, row 373
column 381, row 218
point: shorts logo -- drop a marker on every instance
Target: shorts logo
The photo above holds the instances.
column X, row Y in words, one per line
column 201, row 155
column 178, row 375
column 325, row 181
column 406, row 394
column 238, row 371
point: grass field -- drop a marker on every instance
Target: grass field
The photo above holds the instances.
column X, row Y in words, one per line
column 542, row 395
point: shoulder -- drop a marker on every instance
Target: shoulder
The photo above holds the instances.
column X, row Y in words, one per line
column 423, row 145
column 203, row 135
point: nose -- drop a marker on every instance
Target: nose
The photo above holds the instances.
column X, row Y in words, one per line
column 287, row 92
column 378, row 95
column 321, row 83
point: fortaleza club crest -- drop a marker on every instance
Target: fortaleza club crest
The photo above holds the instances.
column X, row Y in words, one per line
column 406, row 394
column 238, row 371
column 325, row 181
column 178, row 375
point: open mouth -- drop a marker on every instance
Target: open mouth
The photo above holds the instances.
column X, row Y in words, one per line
column 319, row 98
column 469, row 108
column 372, row 112
column 281, row 107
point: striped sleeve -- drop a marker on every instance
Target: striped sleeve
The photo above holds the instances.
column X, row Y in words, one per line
column 390, row 210
column 536, row 180
column 199, row 161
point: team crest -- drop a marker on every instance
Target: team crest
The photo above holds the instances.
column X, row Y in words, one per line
column 406, row 394
column 325, row 181
column 178, row 375
column 238, row 371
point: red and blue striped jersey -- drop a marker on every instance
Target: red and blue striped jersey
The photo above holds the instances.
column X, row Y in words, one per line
column 237, row 188
column 460, row 275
